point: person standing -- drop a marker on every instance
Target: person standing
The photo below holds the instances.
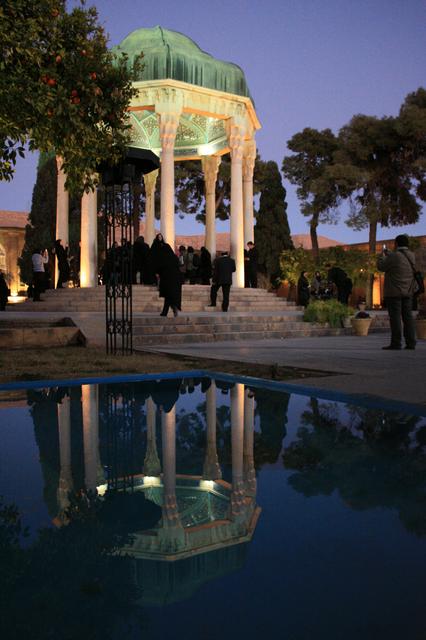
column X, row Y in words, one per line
column 205, row 266
column 4, row 292
column 399, row 288
column 63, row 264
column 252, row 256
column 139, row 256
column 316, row 285
column 303, row 288
column 191, row 269
column 39, row 259
column 223, row 268
column 170, row 279
column 342, row 281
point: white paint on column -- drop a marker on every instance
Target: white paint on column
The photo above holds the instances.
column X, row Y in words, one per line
column 150, row 180
column 236, row 143
column 89, row 240
column 62, row 210
column 210, row 166
column 249, row 159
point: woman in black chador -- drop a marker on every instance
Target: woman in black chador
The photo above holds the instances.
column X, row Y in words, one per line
column 205, row 266
column 170, row 279
column 63, row 264
column 303, row 289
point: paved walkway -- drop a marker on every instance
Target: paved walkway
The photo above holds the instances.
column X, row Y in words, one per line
column 359, row 365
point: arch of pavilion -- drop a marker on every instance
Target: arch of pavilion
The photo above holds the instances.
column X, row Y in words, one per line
column 189, row 106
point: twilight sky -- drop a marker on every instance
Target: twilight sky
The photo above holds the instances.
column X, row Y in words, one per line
column 308, row 63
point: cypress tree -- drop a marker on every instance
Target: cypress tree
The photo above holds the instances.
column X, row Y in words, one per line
column 40, row 232
column 272, row 232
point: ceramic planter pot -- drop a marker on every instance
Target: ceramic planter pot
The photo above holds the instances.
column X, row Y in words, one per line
column 361, row 326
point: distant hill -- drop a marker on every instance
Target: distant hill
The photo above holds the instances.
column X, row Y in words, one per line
column 304, row 240
column 223, row 240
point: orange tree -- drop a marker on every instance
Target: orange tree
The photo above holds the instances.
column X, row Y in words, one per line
column 61, row 89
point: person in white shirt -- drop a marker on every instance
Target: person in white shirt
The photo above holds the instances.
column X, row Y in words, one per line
column 39, row 259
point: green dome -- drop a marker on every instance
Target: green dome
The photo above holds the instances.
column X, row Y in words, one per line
column 171, row 55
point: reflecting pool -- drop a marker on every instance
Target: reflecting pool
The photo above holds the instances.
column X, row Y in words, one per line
column 204, row 508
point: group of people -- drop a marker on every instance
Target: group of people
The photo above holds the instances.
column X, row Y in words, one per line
column 160, row 265
column 337, row 284
column 400, row 291
column 171, row 269
column 67, row 269
column 195, row 268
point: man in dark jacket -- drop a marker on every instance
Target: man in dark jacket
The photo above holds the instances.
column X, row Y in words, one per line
column 223, row 268
column 252, row 265
column 399, row 287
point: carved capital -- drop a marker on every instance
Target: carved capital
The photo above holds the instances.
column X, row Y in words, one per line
column 210, row 166
column 150, row 180
column 235, row 132
column 249, row 159
column 168, row 127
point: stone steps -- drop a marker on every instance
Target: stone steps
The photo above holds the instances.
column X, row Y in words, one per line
column 228, row 327
column 195, row 298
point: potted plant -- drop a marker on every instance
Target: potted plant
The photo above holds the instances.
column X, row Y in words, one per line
column 361, row 323
column 329, row 312
column 421, row 321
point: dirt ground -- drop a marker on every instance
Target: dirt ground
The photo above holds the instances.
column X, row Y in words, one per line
column 77, row 362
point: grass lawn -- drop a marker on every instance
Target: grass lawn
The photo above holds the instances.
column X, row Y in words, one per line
column 76, row 362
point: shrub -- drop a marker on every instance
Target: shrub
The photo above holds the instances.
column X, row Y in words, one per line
column 330, row 311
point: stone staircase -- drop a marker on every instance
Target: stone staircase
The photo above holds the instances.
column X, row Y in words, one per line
column 195, row 298
column 254, row 314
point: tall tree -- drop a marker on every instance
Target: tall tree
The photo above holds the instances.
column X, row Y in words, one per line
column 190, row 198
column 411, row 126
column 308, row 168
column 40, row 231
column 272, row 231
column 61, row 89
column 371, row 166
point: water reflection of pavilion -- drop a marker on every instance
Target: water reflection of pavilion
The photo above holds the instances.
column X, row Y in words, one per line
column 196, row 513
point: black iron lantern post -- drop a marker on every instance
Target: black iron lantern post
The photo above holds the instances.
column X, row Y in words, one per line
column 118, row 184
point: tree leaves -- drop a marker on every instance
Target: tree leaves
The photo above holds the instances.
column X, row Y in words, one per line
column 61, row 89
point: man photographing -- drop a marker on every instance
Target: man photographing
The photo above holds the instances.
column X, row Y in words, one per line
column 399, row 287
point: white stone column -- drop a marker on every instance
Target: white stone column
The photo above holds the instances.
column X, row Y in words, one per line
column 151, row 464
column 237, row 440
column 89, row 397
column 168, row 127
column 210, row 166
column 150, row 180
column 62, row 210
column 249, row 470
column 249, row 159
column 65, row 474
column 236, row 143
column 211, row 467
column 89, row 240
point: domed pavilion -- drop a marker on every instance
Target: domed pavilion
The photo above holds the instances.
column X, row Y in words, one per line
column 189, row 106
